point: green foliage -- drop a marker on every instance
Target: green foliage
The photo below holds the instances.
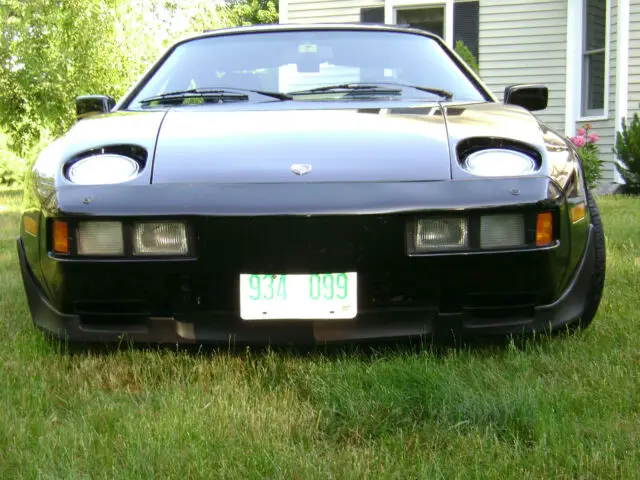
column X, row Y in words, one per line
column 54, row 50
column 249, row 12
column 591, row 165
column 467, row 56
column 627, row 150
column 12, row 171
column 12, row 167
column 586, row 142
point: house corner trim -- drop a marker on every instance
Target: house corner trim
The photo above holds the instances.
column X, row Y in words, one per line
column 622, row 63
column 572, row 87
column 283, row 11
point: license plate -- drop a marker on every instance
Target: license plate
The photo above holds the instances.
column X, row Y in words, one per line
column 287, row 297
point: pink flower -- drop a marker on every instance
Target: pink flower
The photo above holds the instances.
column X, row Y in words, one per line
column 593, row 137
column 581, row 132
column 578, row 141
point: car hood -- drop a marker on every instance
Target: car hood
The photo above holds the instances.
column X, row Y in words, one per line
column 261, row 146
column 242, row 144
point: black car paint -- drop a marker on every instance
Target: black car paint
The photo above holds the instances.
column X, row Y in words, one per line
column 370, row 179
column 495, row 313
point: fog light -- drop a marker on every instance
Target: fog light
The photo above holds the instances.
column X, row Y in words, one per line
column 432, row 234
column 499, row 231
column 160, row 238
column 100, row 238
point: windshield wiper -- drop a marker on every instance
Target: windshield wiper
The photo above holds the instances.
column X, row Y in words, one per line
column 278, row 95
column 378, row 87
column 221, row 94
column 446, row 94
column 349, row 87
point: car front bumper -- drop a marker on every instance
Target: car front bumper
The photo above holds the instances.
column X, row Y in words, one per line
column 208, row 325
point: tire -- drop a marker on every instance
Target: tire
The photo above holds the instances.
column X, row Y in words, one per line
column 596, row 288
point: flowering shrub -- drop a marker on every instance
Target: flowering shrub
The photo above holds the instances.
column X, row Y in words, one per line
column 585, row 141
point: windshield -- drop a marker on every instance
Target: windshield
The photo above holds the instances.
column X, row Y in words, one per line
column 301, row 60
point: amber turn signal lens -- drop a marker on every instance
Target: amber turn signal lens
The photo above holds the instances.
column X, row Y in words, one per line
column 544, row 229
column 577, row 212
column 30, row 225
column 60, row 237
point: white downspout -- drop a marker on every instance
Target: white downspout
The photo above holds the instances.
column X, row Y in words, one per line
column 573, row 59
column 622, row 74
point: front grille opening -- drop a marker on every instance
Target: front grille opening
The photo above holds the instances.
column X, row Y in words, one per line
column 121, row 323
column 515, row 305
column 391, row 293
column 500, row 299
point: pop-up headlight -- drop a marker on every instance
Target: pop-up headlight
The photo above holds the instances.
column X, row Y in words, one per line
column 499, row 162
column 103, row 169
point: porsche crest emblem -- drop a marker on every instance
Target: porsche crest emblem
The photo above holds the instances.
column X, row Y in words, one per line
column 300, row 168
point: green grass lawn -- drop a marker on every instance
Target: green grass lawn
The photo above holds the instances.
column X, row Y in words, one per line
column 563, row 407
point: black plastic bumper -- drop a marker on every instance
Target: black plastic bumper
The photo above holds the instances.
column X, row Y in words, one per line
column 203, row 327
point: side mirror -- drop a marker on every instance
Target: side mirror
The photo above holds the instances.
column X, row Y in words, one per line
column 531, row 97
column 92, row 104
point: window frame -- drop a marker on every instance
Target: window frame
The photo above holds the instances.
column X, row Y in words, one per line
column 585, row 114
column 392, row 6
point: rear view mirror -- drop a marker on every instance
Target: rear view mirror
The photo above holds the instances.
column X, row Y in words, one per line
column 93, row 104
column 531, row 97
column 308, row 64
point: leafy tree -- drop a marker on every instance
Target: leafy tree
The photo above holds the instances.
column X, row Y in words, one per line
column 51, row 50
column 54, row 50
column 250, row 12
column 12, row 167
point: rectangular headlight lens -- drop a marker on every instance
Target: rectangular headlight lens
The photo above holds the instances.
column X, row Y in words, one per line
column 498, row 231
column 434, row 234
column 160, row 238
column 100, row 238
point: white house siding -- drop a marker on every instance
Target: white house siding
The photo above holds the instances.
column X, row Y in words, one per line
column 606, row 129
column 332, row 11
column 525, row 42
column 634, row 57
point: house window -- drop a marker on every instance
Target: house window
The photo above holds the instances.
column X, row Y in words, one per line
column 466, row 25
column 594, row 70
column 430, row 19
column 372, row 15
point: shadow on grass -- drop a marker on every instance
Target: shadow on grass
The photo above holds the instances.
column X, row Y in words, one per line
column 435, row 346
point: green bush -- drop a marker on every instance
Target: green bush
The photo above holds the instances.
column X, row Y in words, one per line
column 467, row 56
column 11, row 171
column 586, row 141
column 12, row 167
column 627, row 150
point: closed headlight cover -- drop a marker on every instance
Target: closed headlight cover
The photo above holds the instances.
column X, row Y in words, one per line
column 102, row 169
column 499, row 162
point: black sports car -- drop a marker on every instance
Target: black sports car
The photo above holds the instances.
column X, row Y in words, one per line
column 317, row 183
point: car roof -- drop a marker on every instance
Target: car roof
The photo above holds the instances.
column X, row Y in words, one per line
column 288, row 27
